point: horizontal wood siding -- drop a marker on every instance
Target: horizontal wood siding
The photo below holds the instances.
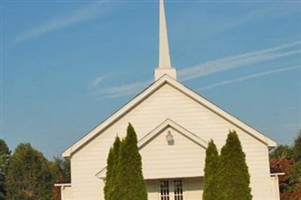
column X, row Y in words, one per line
column 168, row 102
column 183, row 158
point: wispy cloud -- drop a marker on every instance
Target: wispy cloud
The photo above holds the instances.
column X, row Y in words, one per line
column 220, row 23
column 207, row 68
column 275, row 11
column 238, row 61
column 96, row 82
column 59, row 22
column 244, row 78
column 123, row 90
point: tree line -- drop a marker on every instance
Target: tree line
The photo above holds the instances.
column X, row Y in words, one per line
column 26, row 174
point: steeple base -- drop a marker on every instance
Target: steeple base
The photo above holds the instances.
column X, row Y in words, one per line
column 168, row 71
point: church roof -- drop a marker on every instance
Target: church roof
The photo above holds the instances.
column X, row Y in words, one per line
column 165, row 79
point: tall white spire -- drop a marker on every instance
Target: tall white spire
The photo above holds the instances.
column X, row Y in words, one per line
column 164, row 57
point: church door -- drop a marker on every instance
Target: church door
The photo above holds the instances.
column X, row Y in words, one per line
column 171, row 190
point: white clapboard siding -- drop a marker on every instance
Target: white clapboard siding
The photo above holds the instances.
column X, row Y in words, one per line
column 167, row 102
column 182, row 158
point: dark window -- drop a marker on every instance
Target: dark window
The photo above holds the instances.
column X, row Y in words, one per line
column 173, row 188
column 178, row 189
column 164, row 189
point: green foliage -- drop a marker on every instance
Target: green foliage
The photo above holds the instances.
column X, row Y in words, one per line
column 297, row 147
column 112, row 162
column 4, row 159
column 129, row 183
column 60, row 169
column 282, row 152
column 211, row 183
column 287, row 159
column 234, row 175
column 29, row 176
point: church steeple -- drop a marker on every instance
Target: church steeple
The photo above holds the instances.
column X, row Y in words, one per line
column 164, row 56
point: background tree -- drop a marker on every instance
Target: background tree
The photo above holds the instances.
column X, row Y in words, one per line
column 286, row 159
column 282, row 152
column 235, row 177
column 130, row 184
column 60, row 170
column 4, row 159
column 29, row 176
column 211, row 182
column 112, row 163
column 297, row 147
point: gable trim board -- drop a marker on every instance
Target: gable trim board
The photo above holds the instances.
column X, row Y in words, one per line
column 165, row 79
column 168, row 123
column 173, row 125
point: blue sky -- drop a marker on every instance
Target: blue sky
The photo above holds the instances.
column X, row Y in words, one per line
column 68, row 65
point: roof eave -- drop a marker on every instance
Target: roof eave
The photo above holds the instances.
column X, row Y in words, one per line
column 102, row 126
column 147, row 92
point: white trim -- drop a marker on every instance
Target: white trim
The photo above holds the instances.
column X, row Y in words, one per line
column 276, row 189
column 173, row 125
column 150, row 90
column 108, row 122
column 277, row 174
column 102, row 173
column 62, row 185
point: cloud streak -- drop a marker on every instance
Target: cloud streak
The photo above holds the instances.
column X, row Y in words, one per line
column 97, row 81
column 244, row 78
column 238, row 61
column 211, row 67
column 275, row 11
column 59, row 22
column 124, row 90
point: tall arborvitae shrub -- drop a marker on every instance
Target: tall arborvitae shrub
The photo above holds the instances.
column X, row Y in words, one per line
column 211, row 183
column 112, row 162
column 234, row 175
column 129, row 182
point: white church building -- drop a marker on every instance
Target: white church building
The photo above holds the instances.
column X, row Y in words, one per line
column 173, row 126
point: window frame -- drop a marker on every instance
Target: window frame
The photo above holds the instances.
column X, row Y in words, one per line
column 164, row 192
column 172, row 195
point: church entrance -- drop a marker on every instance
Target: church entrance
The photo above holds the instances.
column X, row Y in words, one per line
column 171, row 189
